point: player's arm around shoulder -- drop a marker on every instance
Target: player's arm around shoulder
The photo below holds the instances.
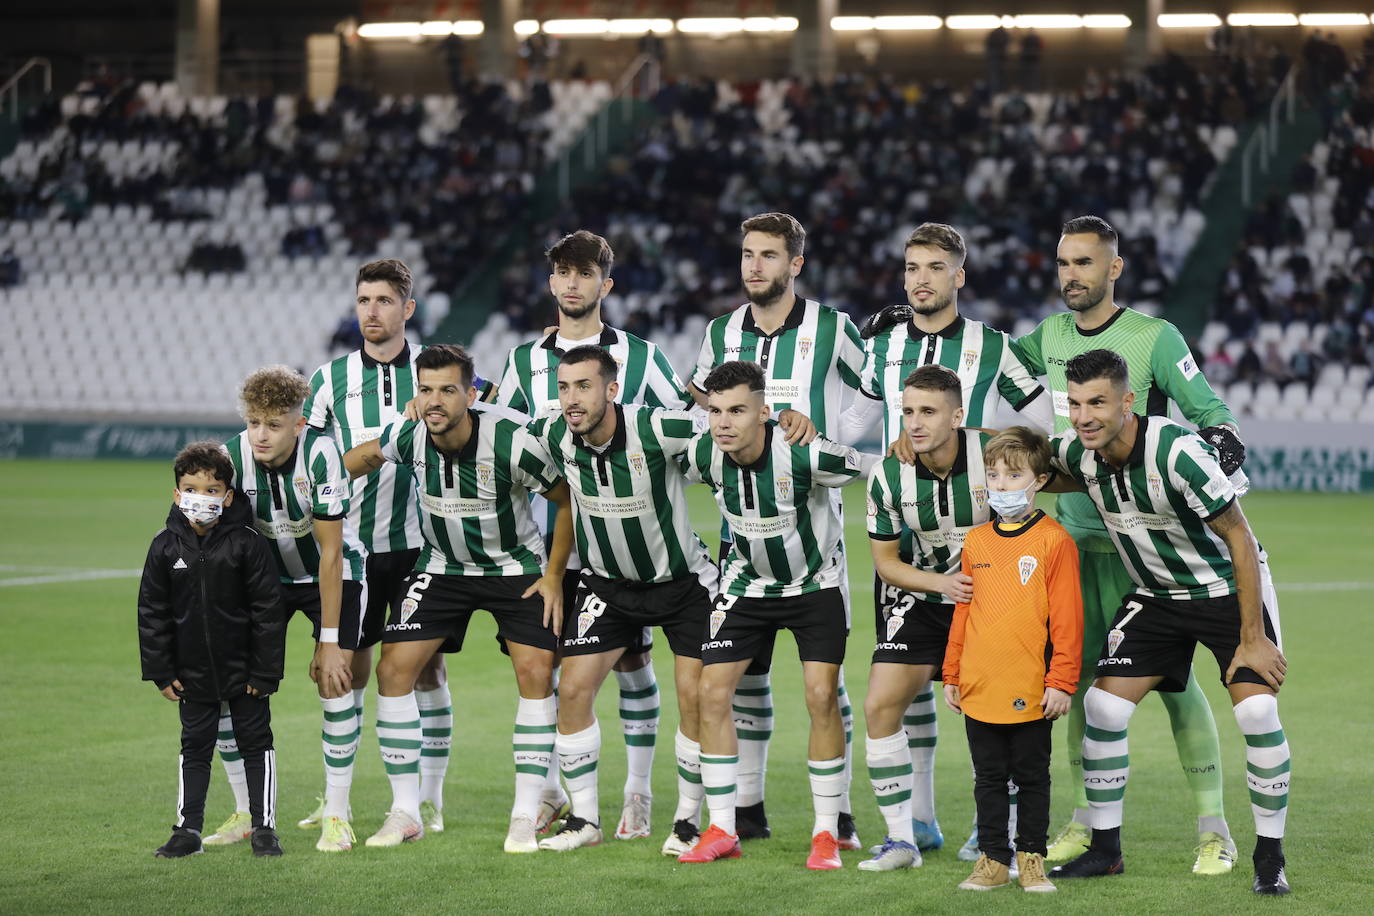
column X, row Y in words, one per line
column 1065, row 623
column 954, row 648
column 835, row 465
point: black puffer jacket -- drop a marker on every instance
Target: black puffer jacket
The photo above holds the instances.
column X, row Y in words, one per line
column 210, row 613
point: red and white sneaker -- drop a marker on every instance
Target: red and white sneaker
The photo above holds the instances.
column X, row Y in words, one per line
column 714, row 844
column 825, row 852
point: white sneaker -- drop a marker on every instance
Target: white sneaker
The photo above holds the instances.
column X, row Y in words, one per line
column 574, row 834
column 432, row 816
column 892, row 855
column 520, row 837
column 634, row 819
column 398, row 828
column 552, row 808
column 682, row 838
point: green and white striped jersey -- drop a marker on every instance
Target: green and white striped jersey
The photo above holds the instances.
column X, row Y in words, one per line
column 940, row 511
column 474, row 505
column 629, row 506
column 786, row 528
column 529, row 383
column 1156, row 508
column 807, row 363
column 311, row 484
column 1161, row 370
column 354, row 397
column 981, row 356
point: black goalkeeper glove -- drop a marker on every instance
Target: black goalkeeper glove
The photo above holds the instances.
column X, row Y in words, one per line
column 1230, row 450
column 881, row 321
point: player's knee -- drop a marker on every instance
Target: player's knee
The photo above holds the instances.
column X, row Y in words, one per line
column 1107, row 711
column 713, row 698
column 1257, row 714
column 395, row 675
column 822, row 698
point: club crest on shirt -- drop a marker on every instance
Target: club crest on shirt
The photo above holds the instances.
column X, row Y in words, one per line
column 980, row 497
column 717, row 618
column 872, row 508
column 1114, row 638
column 894, row 623
column 637, row 463
column 1156, row 485
column 484, row 474
column 970, row 358
column 1026, row 567
column 804, row 347
column 302, row 487
column 784, row 485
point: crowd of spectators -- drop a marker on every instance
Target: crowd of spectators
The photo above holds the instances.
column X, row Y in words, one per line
column 863, row 159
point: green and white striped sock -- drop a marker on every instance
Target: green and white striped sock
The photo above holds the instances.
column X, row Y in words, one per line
column 436, row 740
column 639, row 714
column 532, row 746
column 720, row 776
column 827, row 786
column 228, row 747
column 753, row 714
column 339, row 737
column 847, row 720
column 1106, row 761
column 1268, row 765
column 690, row 791
column 578, row 757
column 922, row 732
column 398, row 736
column 889, row 772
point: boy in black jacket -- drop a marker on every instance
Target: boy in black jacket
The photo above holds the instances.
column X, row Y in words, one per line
column 211, row 630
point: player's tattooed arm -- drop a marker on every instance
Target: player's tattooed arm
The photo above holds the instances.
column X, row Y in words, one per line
column 1256, row 650
column 362, row 460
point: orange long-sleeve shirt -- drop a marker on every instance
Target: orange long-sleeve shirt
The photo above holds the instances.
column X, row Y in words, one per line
column 1023, row 631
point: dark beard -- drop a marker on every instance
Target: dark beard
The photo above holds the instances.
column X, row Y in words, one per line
column 582, row 313
column 937, row 304
column 1093, row 297
column 770, row 295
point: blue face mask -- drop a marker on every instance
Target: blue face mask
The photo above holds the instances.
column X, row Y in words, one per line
column 1009, row 503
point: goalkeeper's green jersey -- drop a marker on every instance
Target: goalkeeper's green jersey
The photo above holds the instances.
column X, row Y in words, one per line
column 1162, row 370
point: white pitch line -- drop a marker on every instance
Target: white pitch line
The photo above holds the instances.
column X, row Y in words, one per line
column 82, row 576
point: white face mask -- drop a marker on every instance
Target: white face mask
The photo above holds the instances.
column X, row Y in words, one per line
column 1009, row 503
column 200, row 509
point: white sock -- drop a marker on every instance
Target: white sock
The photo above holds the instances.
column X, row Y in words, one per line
column 553, row 789
column 1106, row 763
column 889, row 770
column 436, row 736
column 827, row 785
column 1268, row 766
column 1012, row 798
column 228, row 747
column 639, row 713
column 922, row 732
column 719, row 776
column 398, row 736
column 690, row 791
column 532, row 745
column 578, row 757
column 847, row 720
column 753, row 713
column 339, row 737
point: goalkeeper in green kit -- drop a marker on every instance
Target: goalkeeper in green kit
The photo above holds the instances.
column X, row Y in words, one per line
column 1162, row 370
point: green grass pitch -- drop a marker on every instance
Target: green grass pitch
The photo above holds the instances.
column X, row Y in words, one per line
column 88, row 754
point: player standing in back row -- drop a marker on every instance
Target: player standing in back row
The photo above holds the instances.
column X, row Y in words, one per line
column 1161, row 370
column 811, row 357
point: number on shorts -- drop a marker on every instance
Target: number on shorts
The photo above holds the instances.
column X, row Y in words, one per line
column 421, row 583
column 593, row 605
column 1132, row 608
column 725, row 602
column 897, row 600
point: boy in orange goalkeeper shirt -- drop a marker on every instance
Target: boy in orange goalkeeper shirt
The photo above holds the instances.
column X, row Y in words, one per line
column 1013, row 657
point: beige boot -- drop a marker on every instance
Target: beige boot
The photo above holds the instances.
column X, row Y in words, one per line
column 1031, row 866
column 987, row 874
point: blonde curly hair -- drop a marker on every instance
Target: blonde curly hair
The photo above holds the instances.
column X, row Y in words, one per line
column 273, row 390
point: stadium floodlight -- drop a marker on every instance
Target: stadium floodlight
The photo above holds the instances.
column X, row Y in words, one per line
column 1107, row 21
column 906, row 23
column 770, row 24
column 468, row 27
column 389, row 30
column 1325, row 20
column 976, row 22
column 1188, row 20
column 436, row 27
column 1067, row 21
column 715, row 25
column 641, row 26
column 526, row 27
column 575, row 26
column 1262, row 19
column 851, row 23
